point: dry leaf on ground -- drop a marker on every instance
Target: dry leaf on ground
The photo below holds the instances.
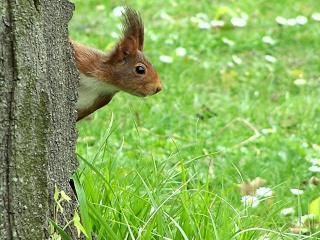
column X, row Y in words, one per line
column 249, row 187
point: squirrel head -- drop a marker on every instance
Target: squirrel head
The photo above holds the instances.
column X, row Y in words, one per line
column 132, row 72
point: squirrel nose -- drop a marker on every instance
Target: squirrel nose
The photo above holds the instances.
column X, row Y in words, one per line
column 158, row 89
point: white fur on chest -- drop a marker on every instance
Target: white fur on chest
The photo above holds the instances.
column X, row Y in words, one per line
column 90, row 89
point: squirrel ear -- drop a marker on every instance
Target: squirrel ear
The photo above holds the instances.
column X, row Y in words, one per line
column 129, row 46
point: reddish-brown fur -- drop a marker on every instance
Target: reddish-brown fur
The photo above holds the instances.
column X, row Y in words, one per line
column 116, row 70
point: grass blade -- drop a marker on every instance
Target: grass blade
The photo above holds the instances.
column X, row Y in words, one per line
column 110, row 232
column 83, row 206
column 62, row 233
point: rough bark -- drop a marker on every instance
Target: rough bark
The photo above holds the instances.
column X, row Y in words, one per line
column 38, row 83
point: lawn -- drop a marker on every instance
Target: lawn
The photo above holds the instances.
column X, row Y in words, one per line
column 239, row 111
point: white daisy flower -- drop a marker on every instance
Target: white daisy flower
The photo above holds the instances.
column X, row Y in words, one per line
column 238, row 22
column 302, row 20
column 251, row 201
column 181, row 52
column 299, row 82
column 296, row 191
column 287, row 211
column 217, row 23
column 264, row 192
column 202, row 16
column 228, row 41
column 269, row 40
column 316, row 16
column 305, row 218
column 315, row 161
column 314, row 168
column 166, row 59
column 270, row 58
column 236, row 59
column 268, row 130
column 204, row 25
column 117, row 11
column 281, row 20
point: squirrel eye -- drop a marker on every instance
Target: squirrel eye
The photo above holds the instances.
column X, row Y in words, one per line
column 140, row 70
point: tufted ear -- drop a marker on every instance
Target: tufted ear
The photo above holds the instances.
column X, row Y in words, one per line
column 129, row 46
column 133, row 27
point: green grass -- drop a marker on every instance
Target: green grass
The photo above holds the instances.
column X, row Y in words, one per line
column 167, row 166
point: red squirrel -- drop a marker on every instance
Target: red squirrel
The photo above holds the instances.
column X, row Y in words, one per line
column 124, row 68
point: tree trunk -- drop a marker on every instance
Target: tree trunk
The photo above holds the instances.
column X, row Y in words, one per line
column 38, row 83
